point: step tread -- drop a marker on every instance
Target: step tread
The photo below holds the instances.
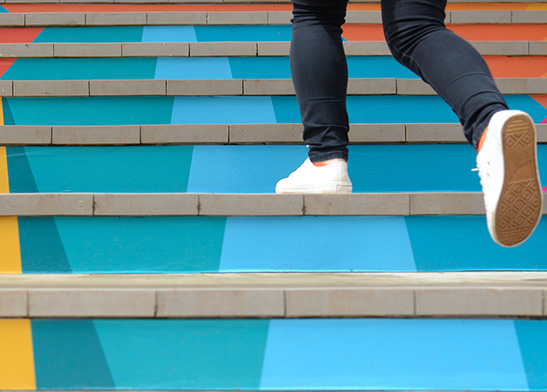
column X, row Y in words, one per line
column 230, row 134
column 469, row 294
column 216, row 204
column 64, row 17
column 234, row 87
column 241, row 49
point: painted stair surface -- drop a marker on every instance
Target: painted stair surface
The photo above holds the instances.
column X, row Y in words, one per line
column 139, row 140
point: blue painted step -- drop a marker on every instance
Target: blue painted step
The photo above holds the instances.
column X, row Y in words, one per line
column 230, row 110
column 269, row 244
column 335, row 354
column 226, row 169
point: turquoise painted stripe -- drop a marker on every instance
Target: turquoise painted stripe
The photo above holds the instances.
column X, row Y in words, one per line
column 81, row 68
column 184, row 354
column 42, row 250
column 243, row 33
column 230, row 109
column 393, row 354
column 91, row 34
column 88, row 110
column 139, row 245
column 226, row 168
column 462, row 243
column 270, row 244
column 69, row 355
column 125, row 169
column 303, row 244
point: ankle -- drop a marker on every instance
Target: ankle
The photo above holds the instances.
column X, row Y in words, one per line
column 328, row 161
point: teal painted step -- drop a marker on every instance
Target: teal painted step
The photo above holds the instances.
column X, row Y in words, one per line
column 312, row 354
column 230, row 110
column 186, row 68
column 164, row 34
column 269, row 244
column 226, row 169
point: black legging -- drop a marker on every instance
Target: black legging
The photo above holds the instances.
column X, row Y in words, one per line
column 418, row 39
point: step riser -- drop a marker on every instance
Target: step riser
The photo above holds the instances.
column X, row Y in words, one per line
column 253, row 354
column 106, row 245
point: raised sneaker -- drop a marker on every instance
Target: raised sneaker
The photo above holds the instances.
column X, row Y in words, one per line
column 329, row 177
column 507, row 165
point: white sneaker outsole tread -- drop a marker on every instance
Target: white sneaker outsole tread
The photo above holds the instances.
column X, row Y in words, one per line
column 510, row 178
column 521, row 201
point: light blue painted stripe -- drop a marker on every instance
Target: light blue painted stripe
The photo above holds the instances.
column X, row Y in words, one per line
column 193, row 68
column 223, row 110
column 399, row 354
column 169, row 34
column 242, row 169
column 292, row 244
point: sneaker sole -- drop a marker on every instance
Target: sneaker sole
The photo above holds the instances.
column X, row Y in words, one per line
column 329, row 189
column 520, row 204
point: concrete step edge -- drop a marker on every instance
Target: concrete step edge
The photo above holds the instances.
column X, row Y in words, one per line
column 232, row 134
column 241, row 49
column 251, row 295
column 234, row 87
column 48, row 19
column 214, row 204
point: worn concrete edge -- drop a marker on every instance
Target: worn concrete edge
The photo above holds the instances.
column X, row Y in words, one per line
column 449, row 133
column 275, row 295
column 259, row 204
column 235, row 87
column 266, row 48
column 233, row 17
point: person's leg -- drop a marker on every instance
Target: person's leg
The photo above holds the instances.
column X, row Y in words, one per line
column 418, row 38
column 505, row 139
column 320, row 78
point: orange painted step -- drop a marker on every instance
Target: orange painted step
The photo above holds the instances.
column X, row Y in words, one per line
column 513, row 32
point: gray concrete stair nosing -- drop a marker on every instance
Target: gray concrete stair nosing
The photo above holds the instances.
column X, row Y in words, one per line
column 219, row 49
column 234, row 134
column 266, row 204
column 235, row 87
column 140, row 18
column 495, row 294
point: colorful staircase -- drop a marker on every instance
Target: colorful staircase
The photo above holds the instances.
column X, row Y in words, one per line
column 141, row 244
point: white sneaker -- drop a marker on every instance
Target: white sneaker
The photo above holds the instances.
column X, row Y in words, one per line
column 308, row 178
column 507, row 166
